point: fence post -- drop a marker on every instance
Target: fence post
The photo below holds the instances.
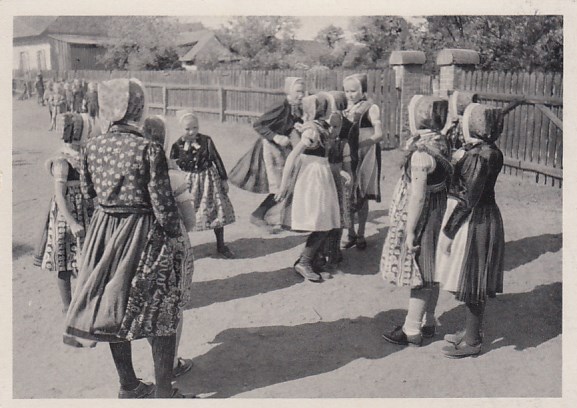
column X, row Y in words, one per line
column 164, row 100
column 452, row 63
column 408, row 67
column 222, row 104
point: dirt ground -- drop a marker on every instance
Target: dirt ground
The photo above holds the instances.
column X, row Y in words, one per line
column 257, row 330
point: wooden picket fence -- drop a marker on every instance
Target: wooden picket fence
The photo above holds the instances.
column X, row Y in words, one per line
column 532, row 139
column 242, row 96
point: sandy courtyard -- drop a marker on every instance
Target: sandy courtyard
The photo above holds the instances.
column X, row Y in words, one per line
column 257, row 330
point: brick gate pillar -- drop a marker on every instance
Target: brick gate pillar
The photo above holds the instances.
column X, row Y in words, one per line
column 408, row 67
column 453, row 63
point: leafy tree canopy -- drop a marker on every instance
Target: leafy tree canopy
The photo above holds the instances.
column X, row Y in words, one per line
column 141, row 43
column 330, row 35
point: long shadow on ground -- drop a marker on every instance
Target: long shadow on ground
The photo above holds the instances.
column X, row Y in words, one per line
column 249, row 358
column 245, row 359
column 522, row 320
column 249, row 248
column 525, row 250
column 241, row 286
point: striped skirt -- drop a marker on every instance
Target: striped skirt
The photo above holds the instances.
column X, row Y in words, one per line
column 474, row 268
column 399, row 266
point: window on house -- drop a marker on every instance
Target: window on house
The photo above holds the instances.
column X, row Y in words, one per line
column 41, row 60
column 24, row 63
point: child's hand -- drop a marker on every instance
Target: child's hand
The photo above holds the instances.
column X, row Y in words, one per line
column 346, row 177
column 225, row 186
column 281, row 140
column 77, row 230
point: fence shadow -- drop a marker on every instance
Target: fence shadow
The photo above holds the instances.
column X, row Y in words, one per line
column 525, row 250
column 249, row 358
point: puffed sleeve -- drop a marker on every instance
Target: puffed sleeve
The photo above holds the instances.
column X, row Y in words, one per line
column 217, row 160
column 421, row 161
column 60, row 170
column 86, row 184
column 346, row 153
column 271, row 120
column 310, row 137
column 160, row 191
column 475, row 170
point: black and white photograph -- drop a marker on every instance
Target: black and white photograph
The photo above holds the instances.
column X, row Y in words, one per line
column 326, row 203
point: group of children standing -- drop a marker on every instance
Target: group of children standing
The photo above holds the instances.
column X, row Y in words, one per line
column 77, row 96
column 319, row 160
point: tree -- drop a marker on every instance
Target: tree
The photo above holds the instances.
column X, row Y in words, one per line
column 505, row 42
column 330, row 35
column 141, row 43
column 260, row 41
column 381, row 34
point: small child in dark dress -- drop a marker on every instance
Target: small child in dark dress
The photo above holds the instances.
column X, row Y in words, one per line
column 196, row 154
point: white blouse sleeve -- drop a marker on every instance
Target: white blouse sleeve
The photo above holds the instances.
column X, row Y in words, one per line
column 60, row 170
column 421, row 161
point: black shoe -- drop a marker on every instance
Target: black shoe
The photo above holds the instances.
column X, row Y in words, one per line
column 428, row 331
column 361, row 243
column 398, row 336
column 351, row 242
column 144, row 390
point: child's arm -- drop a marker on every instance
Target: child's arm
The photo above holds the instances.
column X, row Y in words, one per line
column 217, row 160
column 375, row 118
column 346, row 166
column 60, row 172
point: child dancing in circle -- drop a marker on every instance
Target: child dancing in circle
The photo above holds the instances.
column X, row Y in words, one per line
column 315, row 203
column 196, row 154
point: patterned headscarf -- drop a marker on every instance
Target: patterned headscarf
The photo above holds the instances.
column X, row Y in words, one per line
column 427, row 115
column 121, row 100
column 427, row 112
column 483, row 122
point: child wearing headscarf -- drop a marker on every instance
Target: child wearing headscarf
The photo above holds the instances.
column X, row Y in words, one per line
column 260, row 169
column 70, row 212
column 417, row 207
column 364, row 137
column 128, row 282
column 471, row 247
column 315, row 206
column 196, row 154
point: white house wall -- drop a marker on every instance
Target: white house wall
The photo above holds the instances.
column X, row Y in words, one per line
column 32, row 51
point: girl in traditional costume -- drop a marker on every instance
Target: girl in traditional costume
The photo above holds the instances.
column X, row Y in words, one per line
column 364, row 137
column 154, row 128
column 315, row 207
column 196, row 154
column 416, row 211
column 470, row 254
column 260, row 169
column 128, row 284
column 70, row 212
